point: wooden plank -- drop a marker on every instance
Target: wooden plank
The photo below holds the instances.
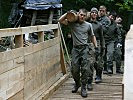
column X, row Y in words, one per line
column 54, row 87
column 29, row 29
column 10, row 32
column 4, row 81
column 33, row 61
column 5, row 56
column 18, row 52
column 3, row 95
column 44, row 79
column 38, row 47
column 28, row 89
column 28, row 50
column 15, row 88
column 47, row 27
column 24, row 30
column 18, row 96
column 29, row 64
column 29, row 75
column 12, row 54
column 17, row 62
column 108, row 91
column 63, row 66
column 6, row 66
column 15, row 75
column 38, row 28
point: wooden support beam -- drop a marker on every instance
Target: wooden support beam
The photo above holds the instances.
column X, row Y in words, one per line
column 56, row 32
column 63, row 66
column 40, row 36
column 34, row 18
column 50, row 17
column 18, row 41
column 54, row 87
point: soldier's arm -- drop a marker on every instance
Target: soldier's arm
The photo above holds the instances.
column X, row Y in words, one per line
column 106, row 24
column 63, row 19
column 94, row 41
column 119, row 34
column 93, row 38
column 102, row 41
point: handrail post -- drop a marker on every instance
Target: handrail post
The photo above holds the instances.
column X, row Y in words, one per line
column 19, row 41
column 40, row 36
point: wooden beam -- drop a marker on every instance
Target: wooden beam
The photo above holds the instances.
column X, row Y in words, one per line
column 18, row 41
column 63, row 66
column 33, row 21
column 10, row 32
column 24, row 30
column 50, row 16
column 56, row 32
column 54, row 87
column 41, row 36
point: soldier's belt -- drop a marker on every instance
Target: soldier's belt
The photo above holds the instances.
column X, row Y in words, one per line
column 79, row 46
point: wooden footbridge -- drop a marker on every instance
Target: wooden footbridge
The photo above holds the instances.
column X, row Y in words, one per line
column 39, row 72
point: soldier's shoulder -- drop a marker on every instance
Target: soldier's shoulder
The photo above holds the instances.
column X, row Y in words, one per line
column 87, row 23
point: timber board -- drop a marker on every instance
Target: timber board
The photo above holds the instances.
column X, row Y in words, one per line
column 110, row 89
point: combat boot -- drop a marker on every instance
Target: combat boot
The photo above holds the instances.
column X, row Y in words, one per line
column 89, row 87
column 105, row 72
column 83, row 91
column 105, row 69
column 119, row 71
column 98, row 79
column 109, row 70
column 75, row 88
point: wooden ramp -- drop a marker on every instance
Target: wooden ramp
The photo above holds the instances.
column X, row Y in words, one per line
column 109, row 89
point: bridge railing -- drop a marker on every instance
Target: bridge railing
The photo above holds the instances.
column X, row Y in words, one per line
column 31, row 72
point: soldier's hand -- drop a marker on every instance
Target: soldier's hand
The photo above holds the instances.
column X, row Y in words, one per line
column 119, row 45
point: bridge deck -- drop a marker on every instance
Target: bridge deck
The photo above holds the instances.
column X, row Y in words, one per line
column 109, row 89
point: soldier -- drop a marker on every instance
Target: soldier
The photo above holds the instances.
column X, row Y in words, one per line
column 81, row 30
column 118, row 46
column 105, row 21
column 110, row 36
column 98, row 31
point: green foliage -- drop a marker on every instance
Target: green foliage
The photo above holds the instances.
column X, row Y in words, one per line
column 126, row 5
column 4, row 13
column 120, row 6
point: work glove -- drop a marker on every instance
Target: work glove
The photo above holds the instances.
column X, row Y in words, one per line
column 119, row 45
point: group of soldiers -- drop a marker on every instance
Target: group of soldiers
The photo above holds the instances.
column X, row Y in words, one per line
column 97, row 42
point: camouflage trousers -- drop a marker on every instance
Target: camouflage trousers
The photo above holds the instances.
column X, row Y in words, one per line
column 117, row 56
column 80, row 68
column 109, row 55
column 96, row 62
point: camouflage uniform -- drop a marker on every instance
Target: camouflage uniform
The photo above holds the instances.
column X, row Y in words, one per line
column 98, row 61
column 80, row 56
column 105, row 21
column 92, row 61
column 118, row 50
column 110, row 36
